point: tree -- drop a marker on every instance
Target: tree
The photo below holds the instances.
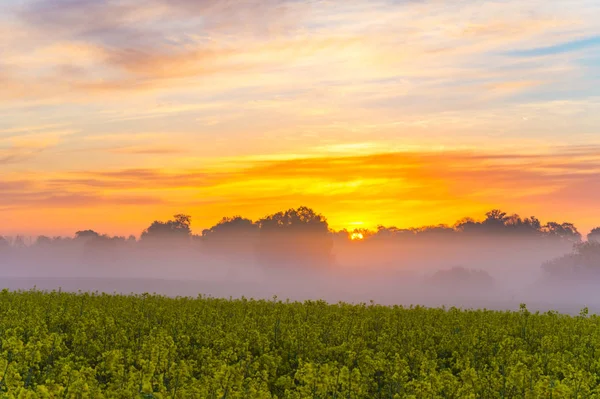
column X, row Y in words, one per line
column 86, row 234
column 583, row 262
column 515, row 225
column 177, row 229
column 589, row 253
column 231, row 227
column 438, row 230
column 561, row 230
column 497, row 221
column 384, row 233
column 467, row 225
column 4, row 244
column 594, row 235
column 43, row 241
column 513, row 220
column 533, row 223
column 301, row 220
column 496, row 217
column 295, row 236
column 231, row 236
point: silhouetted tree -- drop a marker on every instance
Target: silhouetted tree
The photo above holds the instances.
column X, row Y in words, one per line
column 231, row 227
column 529, row 226
column 231, row 236
column 177, row 229
column 496, row 222
column 533, row 223
column 565, row 231
column 499, row 222
column 513, row 220
column 296, row 236
column 496, row 217
column 438, row 230
column 384, row 232
column 594, row 235
column 299, row 220
column 467, row 225
column 86, row 235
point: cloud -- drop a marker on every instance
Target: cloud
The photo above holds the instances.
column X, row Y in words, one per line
column 37, row 140
column 15, row 186
column 149, row 150
column 404, row 189
column 11, row 132
column 132, row 179
column 98, row 17
column 133, row 48
column 102, row 22
column 50, row 200
column 565, row 47
column 11, row 158
column 13, row 155
column 156, row 65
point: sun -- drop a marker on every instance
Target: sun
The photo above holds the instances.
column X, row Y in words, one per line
column 356, row 236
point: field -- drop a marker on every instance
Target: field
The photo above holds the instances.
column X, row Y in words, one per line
column 68, row 345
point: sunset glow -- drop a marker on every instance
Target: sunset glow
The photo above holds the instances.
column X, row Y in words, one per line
column 113, row 114
column 356, row 236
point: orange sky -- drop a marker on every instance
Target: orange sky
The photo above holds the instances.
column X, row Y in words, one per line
column 403, row 189
column 113, row 114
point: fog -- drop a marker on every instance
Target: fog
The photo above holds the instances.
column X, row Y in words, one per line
column 484, row 270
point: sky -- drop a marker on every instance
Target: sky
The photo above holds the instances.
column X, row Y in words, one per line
column 114, row 113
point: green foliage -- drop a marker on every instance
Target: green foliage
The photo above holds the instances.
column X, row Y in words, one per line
column 64, row 345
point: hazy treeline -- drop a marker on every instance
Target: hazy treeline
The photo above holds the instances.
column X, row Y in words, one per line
column 303, row 237
column 304, row 220
column 497, row 262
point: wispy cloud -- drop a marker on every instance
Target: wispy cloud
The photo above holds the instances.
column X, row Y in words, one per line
column 70, row 200
column 301, row 94
column 149, row 150
column 403, row 189
column 565, row 47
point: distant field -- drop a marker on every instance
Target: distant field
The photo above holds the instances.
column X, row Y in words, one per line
column 293, row 289
column 71, row 345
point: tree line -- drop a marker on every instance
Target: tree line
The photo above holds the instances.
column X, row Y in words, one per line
column 306, row 221
column 302, row 235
